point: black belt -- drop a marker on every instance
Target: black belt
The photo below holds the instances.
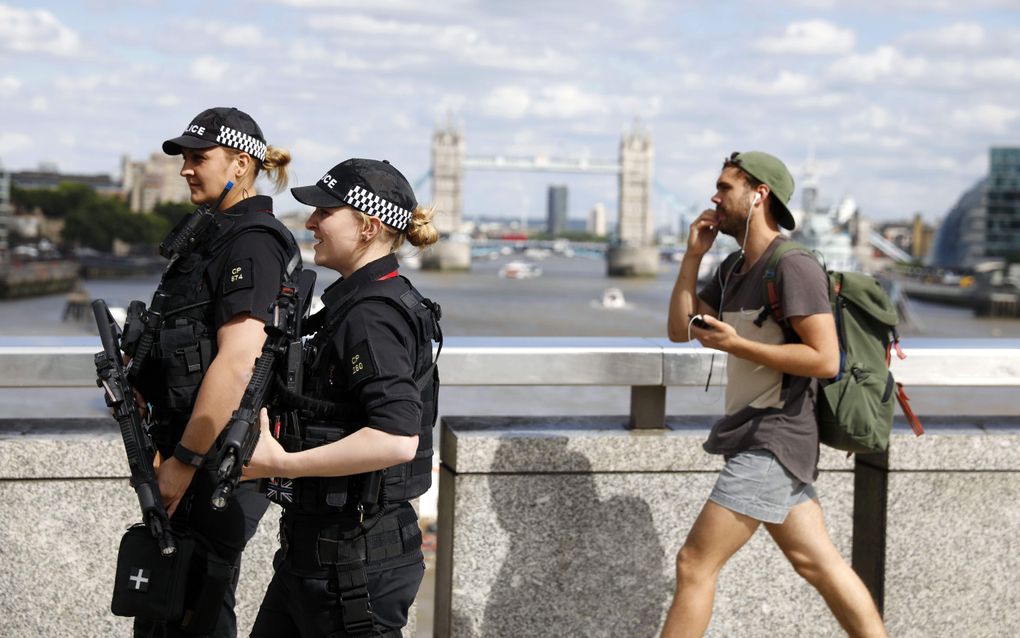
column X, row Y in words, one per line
column 311, row 543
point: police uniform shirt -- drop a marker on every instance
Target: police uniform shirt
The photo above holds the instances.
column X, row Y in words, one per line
column 375, row 352
column 246, row 275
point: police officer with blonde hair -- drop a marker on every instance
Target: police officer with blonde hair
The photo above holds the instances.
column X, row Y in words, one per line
column 350, row 560
column 211, row 330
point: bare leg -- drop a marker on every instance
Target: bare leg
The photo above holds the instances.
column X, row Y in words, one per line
column 717, row 534
column 806, row 543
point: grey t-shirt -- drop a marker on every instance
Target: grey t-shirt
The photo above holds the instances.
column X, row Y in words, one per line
column 766, row 409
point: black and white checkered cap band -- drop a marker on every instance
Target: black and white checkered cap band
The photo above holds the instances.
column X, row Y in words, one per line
column 387, row 212
column 242, row 142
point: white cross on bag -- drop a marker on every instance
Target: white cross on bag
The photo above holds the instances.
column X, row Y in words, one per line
column 139, row 579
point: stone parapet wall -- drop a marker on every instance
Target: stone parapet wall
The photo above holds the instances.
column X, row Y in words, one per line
column 570, row 526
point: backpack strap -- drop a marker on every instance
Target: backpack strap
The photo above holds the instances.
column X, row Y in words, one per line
column 904, row 401
column 770, row 286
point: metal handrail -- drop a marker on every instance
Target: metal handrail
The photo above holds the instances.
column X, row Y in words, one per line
column 648, row 366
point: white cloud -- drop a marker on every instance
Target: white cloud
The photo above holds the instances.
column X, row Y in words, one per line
column 994, row 71
column 35, row 31
column 13, row 142
column 985, row 118
column 447, row 6
column 315, row 153
column 885, row 122
column 706, row 139
column 241, row 35
column 507, row 102
column 209, row 69
column 567, row 101
column 958, row 36
column 810, row 37
column 39, row 104
column 786, row 84
column 305, row 51
column 885, row 62
column 168, row 100
column 9, row 85
column 468, row 45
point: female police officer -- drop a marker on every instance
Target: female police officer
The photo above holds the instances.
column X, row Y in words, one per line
column 211, row 331
column 350, row 560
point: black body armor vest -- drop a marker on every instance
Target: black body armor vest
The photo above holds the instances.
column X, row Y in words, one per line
column 185, row 343
column 326, row 416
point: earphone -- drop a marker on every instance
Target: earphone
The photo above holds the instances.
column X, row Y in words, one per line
column 757, row 198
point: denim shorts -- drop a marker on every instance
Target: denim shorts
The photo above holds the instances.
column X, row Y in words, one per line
column 755, row 484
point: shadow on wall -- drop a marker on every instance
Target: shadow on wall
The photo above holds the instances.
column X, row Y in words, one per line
column 576, row 565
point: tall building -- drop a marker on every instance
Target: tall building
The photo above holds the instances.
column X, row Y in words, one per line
column 597, row 221
column 985, row 223
column 556, row 219
column 5, row 211
column 149, row 182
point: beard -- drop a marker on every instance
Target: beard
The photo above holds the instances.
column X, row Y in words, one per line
column 732, row 222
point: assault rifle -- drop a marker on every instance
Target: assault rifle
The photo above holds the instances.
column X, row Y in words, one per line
column 281, row 352
column 120, row 396
column 141, row 323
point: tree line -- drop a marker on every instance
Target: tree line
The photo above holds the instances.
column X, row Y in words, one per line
column 92, row 220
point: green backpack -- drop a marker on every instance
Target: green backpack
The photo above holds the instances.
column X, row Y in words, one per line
column 855, row 408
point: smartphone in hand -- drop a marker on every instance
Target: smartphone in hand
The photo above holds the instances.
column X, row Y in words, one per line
column 699, row 321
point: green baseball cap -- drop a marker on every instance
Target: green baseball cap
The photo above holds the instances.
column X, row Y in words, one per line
column 772, row 172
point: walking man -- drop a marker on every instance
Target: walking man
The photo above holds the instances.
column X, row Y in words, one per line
column 769, row 434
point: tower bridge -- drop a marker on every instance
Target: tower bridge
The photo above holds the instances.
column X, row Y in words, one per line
column 633, row 254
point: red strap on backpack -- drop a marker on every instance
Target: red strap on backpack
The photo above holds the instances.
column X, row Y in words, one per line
column 904, row 400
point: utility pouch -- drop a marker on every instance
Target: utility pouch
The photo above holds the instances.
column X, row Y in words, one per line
column 184, row 357
column 183, row 590
column 149, row 585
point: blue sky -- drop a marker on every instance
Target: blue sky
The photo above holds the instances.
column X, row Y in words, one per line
column 899, row 100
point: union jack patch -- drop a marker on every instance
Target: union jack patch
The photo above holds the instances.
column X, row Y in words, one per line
column 280, row 491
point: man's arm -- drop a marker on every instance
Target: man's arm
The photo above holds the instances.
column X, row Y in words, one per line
column 684, row 301
column 817, row 356
column 239, row 342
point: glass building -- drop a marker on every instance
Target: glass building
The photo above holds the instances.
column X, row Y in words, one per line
column 984, row 224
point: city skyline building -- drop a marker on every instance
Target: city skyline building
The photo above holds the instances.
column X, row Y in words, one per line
column 597, row 217
column 5, row 210
column 146, row 183
column 556, row 209
column 48, row 176
column 984, row 224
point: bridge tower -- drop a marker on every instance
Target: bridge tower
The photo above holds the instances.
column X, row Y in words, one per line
column 636, row 254
column 447, row 176
column 452, row 252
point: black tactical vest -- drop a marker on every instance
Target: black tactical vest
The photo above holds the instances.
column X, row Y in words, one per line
column 328, row 416
column 186, row 341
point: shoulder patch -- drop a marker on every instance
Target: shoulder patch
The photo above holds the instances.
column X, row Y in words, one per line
column 238, row 275
column 360, row 364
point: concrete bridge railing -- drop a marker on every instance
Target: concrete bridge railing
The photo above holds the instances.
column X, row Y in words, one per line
column 568, row 525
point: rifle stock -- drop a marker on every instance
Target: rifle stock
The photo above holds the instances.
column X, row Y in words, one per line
column 120, row 397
